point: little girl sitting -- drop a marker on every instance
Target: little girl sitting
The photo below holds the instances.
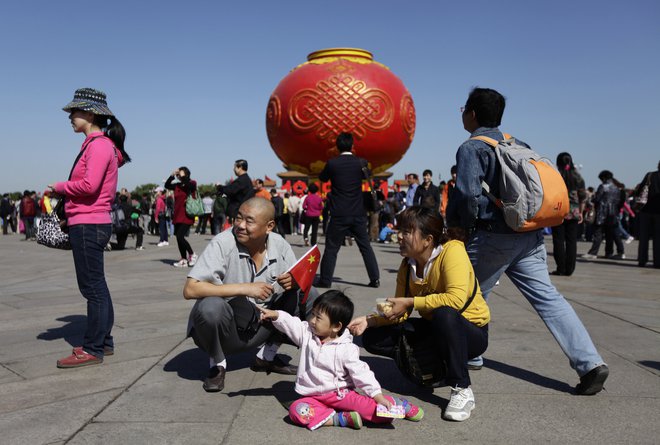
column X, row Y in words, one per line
column 330, row 368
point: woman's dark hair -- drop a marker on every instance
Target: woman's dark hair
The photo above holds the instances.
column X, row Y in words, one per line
column 114, row 131
column 186, row 170
column 488, row 106
column 567, row 170
column 429, row 222
column 337, row 306
column 313, row 188
column 605, row 175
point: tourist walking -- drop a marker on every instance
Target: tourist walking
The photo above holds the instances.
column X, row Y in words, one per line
column 608, row 201
column 160, row 216
column 649, row 218
column 564, row 236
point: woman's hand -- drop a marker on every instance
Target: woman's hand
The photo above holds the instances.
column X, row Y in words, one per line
column 381, row 400
column 267, row 314
column 175, row 172
column 358, row 325
column 399, row 307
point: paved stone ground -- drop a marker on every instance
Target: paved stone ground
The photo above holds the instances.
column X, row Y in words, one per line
column 150, row 390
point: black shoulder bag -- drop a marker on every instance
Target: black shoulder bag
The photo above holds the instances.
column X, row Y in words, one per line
column 246, row 317
column 372, row 205
column 415, row 354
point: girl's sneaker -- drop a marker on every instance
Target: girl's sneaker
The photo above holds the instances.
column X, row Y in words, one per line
column 349, row 419
column 181, row 263
column 192, row 259
column 414, row 413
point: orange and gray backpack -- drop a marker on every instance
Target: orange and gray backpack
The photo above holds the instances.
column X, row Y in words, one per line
column 533, row 194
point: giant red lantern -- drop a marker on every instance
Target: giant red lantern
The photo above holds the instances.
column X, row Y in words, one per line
column 340, row 90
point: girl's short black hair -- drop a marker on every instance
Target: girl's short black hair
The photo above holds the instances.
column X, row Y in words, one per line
column 337, row 306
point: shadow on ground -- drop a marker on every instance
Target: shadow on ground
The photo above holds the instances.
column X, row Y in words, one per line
column 72, row 332
column 528, row 376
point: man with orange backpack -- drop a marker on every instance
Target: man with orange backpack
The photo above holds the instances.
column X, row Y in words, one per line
column 478, row 207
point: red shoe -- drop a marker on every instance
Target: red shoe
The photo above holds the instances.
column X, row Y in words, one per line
column 78, row 358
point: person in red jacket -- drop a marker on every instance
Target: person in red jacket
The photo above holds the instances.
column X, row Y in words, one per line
column 183, row 187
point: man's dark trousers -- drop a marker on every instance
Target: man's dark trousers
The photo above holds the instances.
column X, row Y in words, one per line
column 338, row 228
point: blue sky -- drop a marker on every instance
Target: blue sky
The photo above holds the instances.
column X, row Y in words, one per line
column 190, row 80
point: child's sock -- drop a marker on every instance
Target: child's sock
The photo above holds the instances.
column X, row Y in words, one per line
column 413, row 412
column 350, row 419
column 222, row 364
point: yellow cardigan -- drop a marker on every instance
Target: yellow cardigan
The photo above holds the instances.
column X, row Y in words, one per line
column 449, row 282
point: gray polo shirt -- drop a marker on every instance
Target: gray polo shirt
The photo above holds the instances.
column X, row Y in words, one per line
column 225, row 261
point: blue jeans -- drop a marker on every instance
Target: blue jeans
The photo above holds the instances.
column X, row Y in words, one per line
column 162, row 229
column 522, row 257
column 87, row 243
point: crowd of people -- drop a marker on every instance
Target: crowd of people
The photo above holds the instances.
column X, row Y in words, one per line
column 453, row 239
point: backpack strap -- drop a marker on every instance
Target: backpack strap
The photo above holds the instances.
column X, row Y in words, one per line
column 486, row 188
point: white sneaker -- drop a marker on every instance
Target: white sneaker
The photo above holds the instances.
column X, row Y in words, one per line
column 630, row 239
column 181, row 263
column 588, row 256
column 461, row 403
column 163, row 243
column 618, row 256
column 139, row 248
column 192, row 259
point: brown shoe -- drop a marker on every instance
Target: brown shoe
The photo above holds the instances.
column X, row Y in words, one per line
column 215, row 382
column 277, row 366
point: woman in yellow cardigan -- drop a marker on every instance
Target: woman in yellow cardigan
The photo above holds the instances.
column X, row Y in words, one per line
column 437, row 280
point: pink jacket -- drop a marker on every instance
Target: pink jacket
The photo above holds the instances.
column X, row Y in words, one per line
column 161, row 207
column 91, row 190
column 326, row 367
column 313, row 205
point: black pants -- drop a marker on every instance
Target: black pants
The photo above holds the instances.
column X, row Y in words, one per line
column 313, row 223
column 456, row 339
column 564, row 246
column 338, row 228
column 180, row 231
column 201, row 224
column 6, row 222
column 609, row 231
column 649, row 226
column 122, row 237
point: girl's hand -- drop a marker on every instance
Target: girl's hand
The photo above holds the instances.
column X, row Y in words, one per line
column 380, row 399
column 399, row 307
column 267, row 314
column 358, row 325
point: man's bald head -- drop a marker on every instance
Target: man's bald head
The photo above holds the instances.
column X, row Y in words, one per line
column 263, row 208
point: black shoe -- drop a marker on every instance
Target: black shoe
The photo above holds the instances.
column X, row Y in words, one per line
column 215, row 382
column 556, row 272
column 323, row 284
column 592, row 382
column 374, row 283
column 277, row 366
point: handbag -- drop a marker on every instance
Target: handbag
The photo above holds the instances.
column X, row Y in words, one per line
column 415, row 354
column 50, row 233
column 52, row 230
column 246, row 317
column 194, row 205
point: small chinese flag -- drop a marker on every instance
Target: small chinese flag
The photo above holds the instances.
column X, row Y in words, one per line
column 305, row 269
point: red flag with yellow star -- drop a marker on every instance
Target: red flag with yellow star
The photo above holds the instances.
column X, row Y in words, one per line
column 305, row 269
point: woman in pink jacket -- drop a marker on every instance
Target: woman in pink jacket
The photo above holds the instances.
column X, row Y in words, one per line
column 89, row 193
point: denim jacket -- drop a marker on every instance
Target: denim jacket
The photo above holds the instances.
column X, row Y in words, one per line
column 476, row 162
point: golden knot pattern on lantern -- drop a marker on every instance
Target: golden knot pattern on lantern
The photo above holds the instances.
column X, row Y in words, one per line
column 408, row 119
column 273, row 116
column 341, row 103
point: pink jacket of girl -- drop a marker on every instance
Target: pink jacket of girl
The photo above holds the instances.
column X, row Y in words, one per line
column 91, row 190
column 326, row 367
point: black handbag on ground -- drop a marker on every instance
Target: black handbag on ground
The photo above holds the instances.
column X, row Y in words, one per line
column 416, row 355
column 246, row 317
